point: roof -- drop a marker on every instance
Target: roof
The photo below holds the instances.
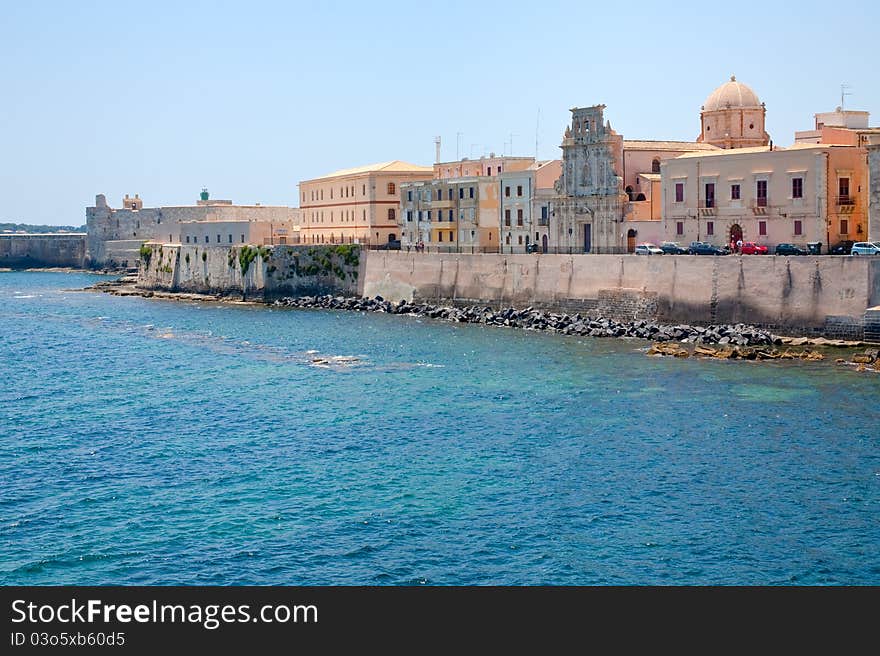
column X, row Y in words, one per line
column 759, row 149
column 731, row 95
column 666, row 145
column 542, row 163
column 394, row 166
column 650, row 176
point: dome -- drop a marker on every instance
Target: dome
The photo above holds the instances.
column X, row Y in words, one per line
column 731, row 95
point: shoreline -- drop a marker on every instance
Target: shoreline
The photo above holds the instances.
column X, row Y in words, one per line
column 731, row 342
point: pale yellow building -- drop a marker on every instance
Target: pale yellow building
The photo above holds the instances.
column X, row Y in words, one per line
column 357, row 205
column 733, row 117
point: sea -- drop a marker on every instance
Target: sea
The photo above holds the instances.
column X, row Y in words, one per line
column 159, row 442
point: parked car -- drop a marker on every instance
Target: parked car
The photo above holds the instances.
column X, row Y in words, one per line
column 865, row 248
column 672, row 248
column 532, row 248
column 843, row 248
column 705, row 248
column 751, row 248
column 790, row 249
column 393, row 245
column 648, row 249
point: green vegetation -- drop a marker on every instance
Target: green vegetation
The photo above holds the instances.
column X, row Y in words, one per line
column 39, row 227
column 350, row 253
column 146, row 253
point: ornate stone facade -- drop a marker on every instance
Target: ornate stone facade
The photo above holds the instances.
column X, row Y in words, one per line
column 591, row 202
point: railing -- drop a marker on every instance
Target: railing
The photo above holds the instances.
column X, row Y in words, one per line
column 846, row 199
column 761, row 202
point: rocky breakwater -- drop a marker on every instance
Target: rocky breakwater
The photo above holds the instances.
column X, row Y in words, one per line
column 533, row 319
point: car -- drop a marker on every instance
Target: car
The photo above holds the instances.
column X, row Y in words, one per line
column 865, row 248
column 648, row 249
column 392, row 245
column 751, row 248
column 790, row 249
column 532, row 248
column 843, row 248
column 671, row 248
column 705, row 248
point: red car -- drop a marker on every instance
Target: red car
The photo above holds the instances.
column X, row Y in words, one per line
column 751, row 248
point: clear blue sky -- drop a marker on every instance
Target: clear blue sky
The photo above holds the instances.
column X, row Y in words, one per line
column 248, row 98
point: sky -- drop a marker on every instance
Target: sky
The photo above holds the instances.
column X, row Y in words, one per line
column 249, row 98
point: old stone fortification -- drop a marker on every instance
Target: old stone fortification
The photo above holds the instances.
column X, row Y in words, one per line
column 811, row 295
column 255, row 271
column 51, row 250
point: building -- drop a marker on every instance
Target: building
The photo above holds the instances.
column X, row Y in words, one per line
column 839, row 118
column 546, row 173
column 733, row 117
column 357, row 205
column 873, row 150
column 462, row 207
column 115, row 235
column 804, row 193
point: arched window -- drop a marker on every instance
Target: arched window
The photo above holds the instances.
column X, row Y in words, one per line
column 392, row 215
column 392, row 189
column 655, row 166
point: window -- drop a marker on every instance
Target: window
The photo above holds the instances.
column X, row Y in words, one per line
column 322, row 194
column 242, row 239
column 655, row 166
column 207, row 240
column 440, row 235
column 331, row 193
column 363, row 190
column 409, row 196
column 499, row 170
column 519, row 217
column 679, row 227
column 420, row 215
column 734, row 192
column 392, row 189
column 187, row 239
column 679, row 193
column 544, row 212
column 798, row 227
column 761, row 193
column 507, row 217
column 520, row 240
column 392, row 215
column 450, row 215
column 429, row 215
column 843, row 192
column 450, row 193
column 230, row 239
column 450, row 236
column 797, row 187
column 439, row 194
column 461, row 192
column 519, row 190
column 710, row 228
column 507, row 192
column 507, row 239
column 710, row 194
column 471, row 192
column 844, row 227
column 409, row 215
column 218, row 239
column 762, row 228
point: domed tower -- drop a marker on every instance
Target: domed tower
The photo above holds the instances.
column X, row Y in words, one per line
column 733, row 117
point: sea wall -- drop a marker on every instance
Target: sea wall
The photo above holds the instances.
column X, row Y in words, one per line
column 254, row 271
column 49, row 250
column 808, row 294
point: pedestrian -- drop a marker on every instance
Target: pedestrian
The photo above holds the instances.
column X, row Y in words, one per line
column 739, row 245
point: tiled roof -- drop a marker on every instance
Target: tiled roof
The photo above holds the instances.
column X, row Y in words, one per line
column 394, row 166
column 667, row 145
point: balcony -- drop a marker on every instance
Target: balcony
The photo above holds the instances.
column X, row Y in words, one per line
column 845, row 199
column 707, row 207
column 759, row 206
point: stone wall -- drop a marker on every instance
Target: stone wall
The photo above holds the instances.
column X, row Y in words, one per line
column 252, row 271
column 51, row 250
column 806, row 294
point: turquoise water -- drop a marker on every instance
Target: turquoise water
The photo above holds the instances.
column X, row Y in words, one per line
column 153, row 442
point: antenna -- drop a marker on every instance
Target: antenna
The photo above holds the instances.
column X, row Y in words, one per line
column 437, row 150
column 512, row 135
column 458, row 145
column 844, row 93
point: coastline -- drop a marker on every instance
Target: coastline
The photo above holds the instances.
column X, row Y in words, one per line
column 740, row 342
